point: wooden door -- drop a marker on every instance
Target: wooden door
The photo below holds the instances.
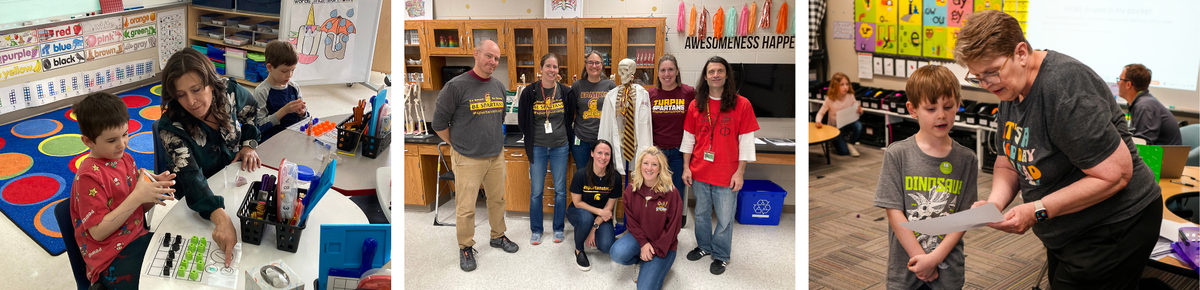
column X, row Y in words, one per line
column 599, row 35
column 516, row 181
column 643, row 42
column 558, row 37
column 480, row 30
column 416, row 54
column 522, row 53
column 414, row 185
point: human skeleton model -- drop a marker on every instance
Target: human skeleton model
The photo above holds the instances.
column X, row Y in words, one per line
column 626, row 102
column 414, row 110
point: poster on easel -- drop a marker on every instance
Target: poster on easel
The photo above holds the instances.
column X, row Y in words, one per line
column 335, row 39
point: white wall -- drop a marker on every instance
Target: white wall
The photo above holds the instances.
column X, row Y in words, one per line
column 843, row 58
column 689, row 60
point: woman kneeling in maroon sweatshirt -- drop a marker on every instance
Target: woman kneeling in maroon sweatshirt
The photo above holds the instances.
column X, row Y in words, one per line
column 652, row 211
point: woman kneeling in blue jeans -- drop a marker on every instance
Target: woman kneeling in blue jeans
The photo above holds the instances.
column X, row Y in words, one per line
column 594, row 192
column 652, row 215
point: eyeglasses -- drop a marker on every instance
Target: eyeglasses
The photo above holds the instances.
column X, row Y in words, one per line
column 990, row 78
column 1119, row 79
column 593, row 63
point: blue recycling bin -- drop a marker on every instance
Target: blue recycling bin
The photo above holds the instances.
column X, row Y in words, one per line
column 760, row 202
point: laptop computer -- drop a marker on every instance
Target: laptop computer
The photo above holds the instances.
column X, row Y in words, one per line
column 1174, row 158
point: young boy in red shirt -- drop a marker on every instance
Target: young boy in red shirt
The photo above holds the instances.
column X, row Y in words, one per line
column 108, row 204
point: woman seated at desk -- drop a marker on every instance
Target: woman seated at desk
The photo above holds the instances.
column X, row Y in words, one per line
column 200, row 133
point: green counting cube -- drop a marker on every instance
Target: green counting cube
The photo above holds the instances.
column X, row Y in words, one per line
column 199, row 263
column 191, row 247
column 182, row 270
column 195, row 239
column 195, row 276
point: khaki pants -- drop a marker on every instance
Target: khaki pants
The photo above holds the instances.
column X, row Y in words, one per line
column 469, row 175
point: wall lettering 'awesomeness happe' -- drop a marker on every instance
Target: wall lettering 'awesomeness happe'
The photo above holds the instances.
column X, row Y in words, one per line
column 20, row 54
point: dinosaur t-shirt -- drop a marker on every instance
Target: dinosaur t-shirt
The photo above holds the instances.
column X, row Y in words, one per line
column 926, row 187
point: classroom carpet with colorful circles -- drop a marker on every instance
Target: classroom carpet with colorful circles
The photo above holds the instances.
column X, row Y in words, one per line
column 39, row 157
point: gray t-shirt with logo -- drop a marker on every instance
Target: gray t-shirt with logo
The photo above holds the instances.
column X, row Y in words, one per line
column 591, row 101
column 474, row 110
column 549, row 110
column 926, row 187
column 1067, row 123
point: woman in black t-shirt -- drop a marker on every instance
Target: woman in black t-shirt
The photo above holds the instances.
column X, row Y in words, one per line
column 594, row 193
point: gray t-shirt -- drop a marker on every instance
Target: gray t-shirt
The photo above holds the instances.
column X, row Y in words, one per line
column 926, row 187
column 1068, row 122
column 591, row 101
column 553, row 110
column 474, row 110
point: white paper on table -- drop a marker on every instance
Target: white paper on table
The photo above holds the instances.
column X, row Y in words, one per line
column 1170, row 229
column 225, row 277
column 759, row 141
column 865, row 66
column 1162, row 248
column 878, row 65
column 848, row 115
column 961, row 221
column 785, row 142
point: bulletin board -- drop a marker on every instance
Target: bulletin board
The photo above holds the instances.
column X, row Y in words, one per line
column 921, row 29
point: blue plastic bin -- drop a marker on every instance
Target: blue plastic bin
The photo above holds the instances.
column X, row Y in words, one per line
column 260, row 6
column 760, row 202
column 227, row 4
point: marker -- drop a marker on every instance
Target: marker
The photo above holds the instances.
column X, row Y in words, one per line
column 139, row 7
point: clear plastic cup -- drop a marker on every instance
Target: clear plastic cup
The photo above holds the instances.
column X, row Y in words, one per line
column 231, row 174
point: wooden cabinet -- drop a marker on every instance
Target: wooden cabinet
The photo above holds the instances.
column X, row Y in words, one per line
column 516, row 181
column 599, row 35
column 480, row 30
column 445, row 37
column 414, row 185
column 642, row 41
column 523, row 55
column 559, row 37
column 417, row 63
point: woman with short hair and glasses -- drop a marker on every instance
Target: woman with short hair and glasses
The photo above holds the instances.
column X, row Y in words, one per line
column 1068, row 150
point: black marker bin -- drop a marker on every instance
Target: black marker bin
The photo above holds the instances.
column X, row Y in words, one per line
column 287, row 237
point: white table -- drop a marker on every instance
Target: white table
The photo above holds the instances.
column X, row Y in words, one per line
column 355, row 174
column 181, row 220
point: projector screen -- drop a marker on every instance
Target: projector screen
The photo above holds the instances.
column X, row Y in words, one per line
column 1163, row 35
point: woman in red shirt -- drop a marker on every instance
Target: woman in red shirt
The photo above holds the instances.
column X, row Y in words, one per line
column 652, row 213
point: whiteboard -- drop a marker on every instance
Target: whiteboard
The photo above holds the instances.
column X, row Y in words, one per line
column 356, row 66
column 26, row 10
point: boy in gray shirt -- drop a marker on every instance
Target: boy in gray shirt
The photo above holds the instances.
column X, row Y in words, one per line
column 927, row 176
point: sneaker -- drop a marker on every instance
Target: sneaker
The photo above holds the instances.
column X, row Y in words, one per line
column 696, row 254
column 503, row 243
column 559, row 237
column 466, row 259
column 717, row 267
column 535, row 239
column 853, row 151
column 582, row 260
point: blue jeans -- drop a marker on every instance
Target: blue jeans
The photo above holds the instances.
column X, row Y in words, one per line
column 582, row 153
column 722, row 199
column 556, row 157
column 582, row 220
column 627, row 251
column 675, row 163
column 851, row 131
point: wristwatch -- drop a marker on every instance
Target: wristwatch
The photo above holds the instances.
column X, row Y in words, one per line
column 251, row 143
column 1040, row 211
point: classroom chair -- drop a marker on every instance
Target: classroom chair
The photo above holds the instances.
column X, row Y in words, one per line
column 62, row 213
column 448, row 176
column 1191, row 137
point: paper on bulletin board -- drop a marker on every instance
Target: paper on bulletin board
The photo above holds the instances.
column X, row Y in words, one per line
column 910, row 12
column 172, row 34
column 922, row 64
column 843, row 30
column 13, row 98
column 957, row 11
column 981, row 5
column 951, row 40
column 885, row 38
column 103, row 24
column 910, row 67
column 21, row 38
column 864, row 11
column 957, row 222
column 909, row 40
column 20, row 69
column 563, row 9
column 933, row 42
column 877, row 65
column 887, row 12
column 934, row 12
column 864, row 36
column 865, row 67
column 889, row 67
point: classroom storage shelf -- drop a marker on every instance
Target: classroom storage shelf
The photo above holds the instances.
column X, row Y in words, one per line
column 194, row 22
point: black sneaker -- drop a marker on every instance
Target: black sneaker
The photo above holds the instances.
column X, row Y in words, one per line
column 504, row 243
column 717, row 267
column 582, row 260
column 466, row 259
column 696, row 254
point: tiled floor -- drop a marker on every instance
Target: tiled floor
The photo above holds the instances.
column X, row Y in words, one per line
column 28, row 266
column 763, row 256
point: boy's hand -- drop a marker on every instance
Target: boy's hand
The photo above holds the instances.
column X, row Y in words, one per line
column 925, row 266
column 165, row 176
column 983, row 202
column 153, row 192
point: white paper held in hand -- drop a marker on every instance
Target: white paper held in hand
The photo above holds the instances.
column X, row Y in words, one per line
column 961, row 221
column 848, row 115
